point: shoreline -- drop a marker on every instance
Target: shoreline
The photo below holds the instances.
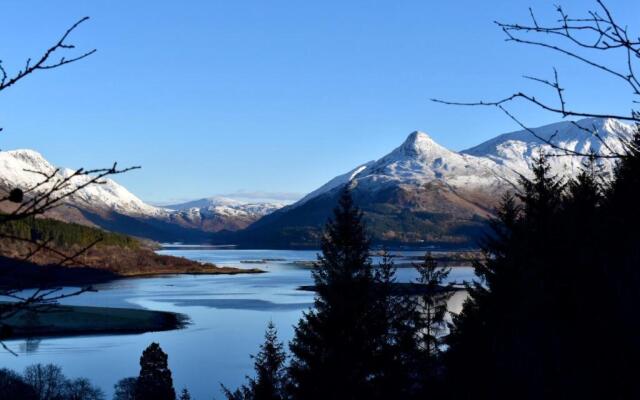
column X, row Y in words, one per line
column 69, row 321
column 17, row 274
column 405, row 289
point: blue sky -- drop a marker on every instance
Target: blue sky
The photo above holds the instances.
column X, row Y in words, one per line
column 216, row 97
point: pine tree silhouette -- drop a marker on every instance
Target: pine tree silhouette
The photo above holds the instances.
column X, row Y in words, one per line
column 185, row 395
column 432, row 305
column 337, row 343
column 396, row 360
column 502, row 342
column 155, row 381
column 432, row 309
column 621, row 268
column 269, row 365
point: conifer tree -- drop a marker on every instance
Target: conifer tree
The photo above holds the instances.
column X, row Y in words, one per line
column 155, row 381
column 541, row 197
column 337, row 343
column 396, row 360
column 580, row 224
column 621, row 266
column 432, row 308
column 505, row 340
column 185, row 395
column 269, row 365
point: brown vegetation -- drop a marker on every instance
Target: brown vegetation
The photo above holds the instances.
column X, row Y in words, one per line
column 97, row 264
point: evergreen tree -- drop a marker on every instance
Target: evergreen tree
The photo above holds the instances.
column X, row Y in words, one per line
column 269, row 365
column 621, row 267
column 409, row 361
column 336, row 344
column 396, row 361
column 155, row 381
column 432, row 309
column 505, row 340
column 185, row 395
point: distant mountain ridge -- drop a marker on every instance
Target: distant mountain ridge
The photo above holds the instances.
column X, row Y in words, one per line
column 424, row 194
column 112, row 207
column 214, row 214
column 227, row 206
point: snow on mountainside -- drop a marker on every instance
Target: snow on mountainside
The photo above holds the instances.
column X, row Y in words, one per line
column 112, row 207
column 490, row 166
column 225, row 206
column 418, row 161
column 517, row 150
column 24, row 169
column 421, row 160
column 335, row 182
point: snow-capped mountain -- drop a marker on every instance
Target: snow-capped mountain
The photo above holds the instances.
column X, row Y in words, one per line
column 422, row 192
column 493, row 165
column 517, row 150
column 421, row 160
column 111, row 206
column 418, row 161
column 26, row 169
column 219, row 205
column 220, row 213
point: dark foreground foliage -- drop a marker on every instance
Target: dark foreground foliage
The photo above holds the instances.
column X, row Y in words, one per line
column 554, row 314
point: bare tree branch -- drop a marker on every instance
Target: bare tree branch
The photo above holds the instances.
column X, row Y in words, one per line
column 52, row 190
column 44, row 61
column 598, row 32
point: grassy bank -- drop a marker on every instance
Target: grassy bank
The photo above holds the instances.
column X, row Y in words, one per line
column 59, row 320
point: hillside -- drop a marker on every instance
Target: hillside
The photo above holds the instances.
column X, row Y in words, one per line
column 113, row 255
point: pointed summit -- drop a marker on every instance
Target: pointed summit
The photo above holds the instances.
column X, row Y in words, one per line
column 420, row 144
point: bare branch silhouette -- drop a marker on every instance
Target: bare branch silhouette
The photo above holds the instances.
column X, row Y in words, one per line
column 598, row 32
column 44, row 61
column 53, row 189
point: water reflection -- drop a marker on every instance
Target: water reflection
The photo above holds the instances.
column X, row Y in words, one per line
column 240, row 304
column 30, row 346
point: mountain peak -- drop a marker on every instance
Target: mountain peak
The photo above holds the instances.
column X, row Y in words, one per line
column 417, row 137
column 419, row 143
column 28, row 156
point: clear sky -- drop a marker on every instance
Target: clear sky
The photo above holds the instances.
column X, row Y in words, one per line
column 215, row 97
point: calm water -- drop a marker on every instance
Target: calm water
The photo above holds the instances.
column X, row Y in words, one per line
column 228, row 316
